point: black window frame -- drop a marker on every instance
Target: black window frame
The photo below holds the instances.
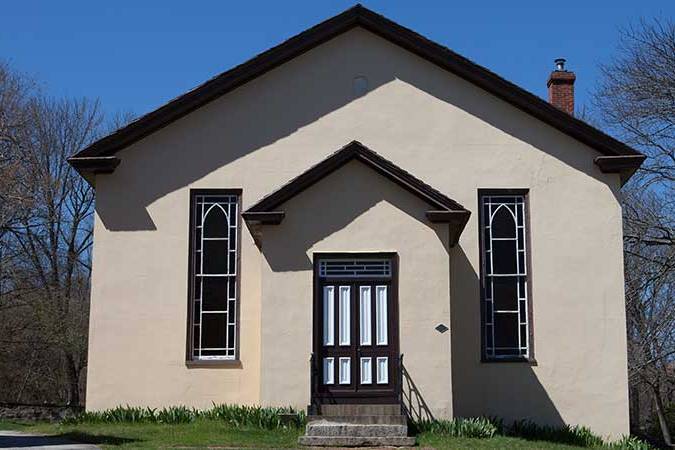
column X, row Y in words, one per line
column 190, row 360
column 525, row 193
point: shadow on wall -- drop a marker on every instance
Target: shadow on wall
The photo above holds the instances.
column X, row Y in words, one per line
column 509, row 391
column 291, row 97
column 330, row 206
column 414, row 406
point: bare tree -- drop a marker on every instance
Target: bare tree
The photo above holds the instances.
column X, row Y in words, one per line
column 44, row 308
column 650, row 305
column 636, row 101
column 637, row 96
column 15, row 90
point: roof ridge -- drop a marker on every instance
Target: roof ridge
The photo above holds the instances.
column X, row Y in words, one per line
column 358, row 15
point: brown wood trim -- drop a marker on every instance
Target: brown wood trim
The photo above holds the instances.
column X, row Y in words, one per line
column 530, row 278
column 528, row 242
column 625, row 165
column 456, row 220
column 358, row 151
column 89, row 167
column 349, row 397
column 214, row 364
column 95, row 164
column 448, row 216
column 324, row 31
column 264, row 217
column 189, row 361
column 266, row 211
column 512, row 359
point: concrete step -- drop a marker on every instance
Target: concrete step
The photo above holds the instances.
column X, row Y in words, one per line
column 356, row 441
column 326, row 428
column 364, row 419
column 360, row 410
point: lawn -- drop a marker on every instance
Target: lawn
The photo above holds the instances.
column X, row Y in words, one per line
column 429, row 440
column 204, row 433
column 201, row 433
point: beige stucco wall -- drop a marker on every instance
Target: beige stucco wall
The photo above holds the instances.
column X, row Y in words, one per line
column 357, row 210
column 443, row 130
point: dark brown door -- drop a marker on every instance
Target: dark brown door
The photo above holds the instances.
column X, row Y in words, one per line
column 356, row 330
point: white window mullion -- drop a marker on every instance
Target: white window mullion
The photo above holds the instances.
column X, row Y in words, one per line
column 204, row 206
column 515, row 205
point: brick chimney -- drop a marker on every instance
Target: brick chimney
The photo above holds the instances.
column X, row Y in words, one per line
column 561, row 87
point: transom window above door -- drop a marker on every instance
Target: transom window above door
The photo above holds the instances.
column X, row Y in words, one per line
column 355, row 268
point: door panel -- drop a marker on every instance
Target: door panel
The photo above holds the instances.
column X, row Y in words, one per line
column 356, row 339
column 344, row 316
column 328, row 315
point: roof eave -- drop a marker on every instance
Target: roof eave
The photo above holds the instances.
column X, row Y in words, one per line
column 624, row 165
column 89, row 167
column 456, row 220
column 269, row 210
column 264, row 217
column 404, row 37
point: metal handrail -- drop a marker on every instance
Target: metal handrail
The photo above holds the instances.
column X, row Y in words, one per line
column 400, row 379
column 313, row 373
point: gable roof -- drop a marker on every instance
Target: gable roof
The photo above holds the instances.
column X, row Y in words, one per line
column 443, row 209
column 628, row 158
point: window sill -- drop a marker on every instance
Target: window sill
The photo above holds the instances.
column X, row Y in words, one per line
column 213, row 364
column 511, row 359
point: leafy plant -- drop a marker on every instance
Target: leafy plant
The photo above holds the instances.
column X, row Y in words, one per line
column 257, row 416
column 567, row 434
column 177, row 414
column 488, row 427
column 236, row 415
column 478, row 427
column 119, row 414
column 629, row 443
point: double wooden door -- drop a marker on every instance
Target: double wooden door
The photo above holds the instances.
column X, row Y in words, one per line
column 356, row 331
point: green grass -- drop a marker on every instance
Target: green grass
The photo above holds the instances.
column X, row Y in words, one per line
column 205, row 432
column 202, row 433
column 428, row 439
column 15, row 425
column 199, row 433
column 271, row 427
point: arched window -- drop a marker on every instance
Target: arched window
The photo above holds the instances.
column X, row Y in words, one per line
column 215, row 222
column 213, row 290
column 504, row 276
column 503, row 223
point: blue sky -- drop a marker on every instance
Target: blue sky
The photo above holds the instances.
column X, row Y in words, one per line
column 134, row 56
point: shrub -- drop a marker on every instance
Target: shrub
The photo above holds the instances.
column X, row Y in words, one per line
column 235, row 415
column 629, row 443
column 479, row 427
column 485, row 428
column 176, row 414
column 567, row 434
column 119, row 414
column 257, row 416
